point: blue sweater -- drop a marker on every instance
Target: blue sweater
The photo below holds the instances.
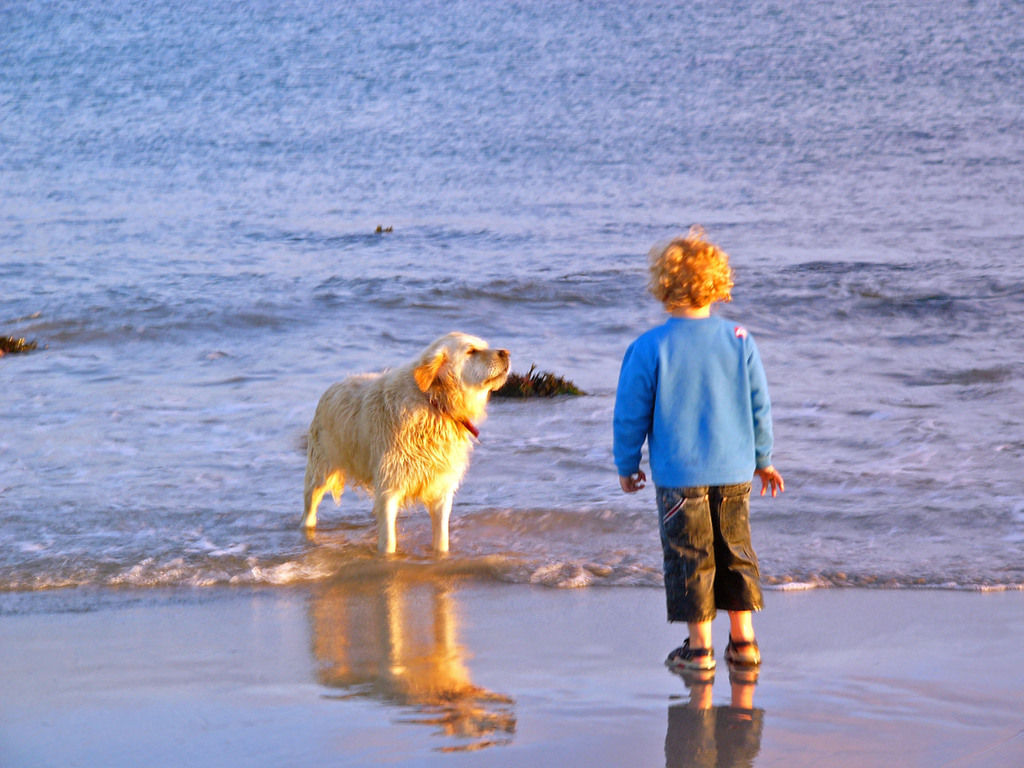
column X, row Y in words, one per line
column 696, row 390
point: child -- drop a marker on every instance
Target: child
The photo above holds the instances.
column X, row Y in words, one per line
column 695, row 389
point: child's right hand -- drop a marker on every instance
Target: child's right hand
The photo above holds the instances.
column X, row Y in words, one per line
column 770, row 478
column 634, row 482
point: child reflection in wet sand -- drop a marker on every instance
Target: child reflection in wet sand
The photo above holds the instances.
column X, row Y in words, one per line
column 704, row 736
column 694, row 389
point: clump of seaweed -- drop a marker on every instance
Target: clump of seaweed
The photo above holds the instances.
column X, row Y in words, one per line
column 543, row 384
column 10, row 345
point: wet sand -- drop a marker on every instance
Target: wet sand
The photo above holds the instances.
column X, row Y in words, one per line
column 400, row 669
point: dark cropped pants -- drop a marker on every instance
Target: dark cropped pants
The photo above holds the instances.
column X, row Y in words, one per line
column 709, row 561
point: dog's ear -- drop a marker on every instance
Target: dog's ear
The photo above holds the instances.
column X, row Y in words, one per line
column 425, row 373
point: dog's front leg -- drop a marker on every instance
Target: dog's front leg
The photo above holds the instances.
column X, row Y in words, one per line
column 440, row 513
column 385, row 509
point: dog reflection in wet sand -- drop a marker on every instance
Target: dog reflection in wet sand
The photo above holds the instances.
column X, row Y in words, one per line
column 395, row 639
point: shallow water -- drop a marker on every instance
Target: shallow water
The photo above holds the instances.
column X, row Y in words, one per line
column 190, row 204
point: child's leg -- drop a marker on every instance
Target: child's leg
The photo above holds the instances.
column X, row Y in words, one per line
column 741, row 626
column 742, row 649
column 700, row 634
column 687, row 538
column 737, row 576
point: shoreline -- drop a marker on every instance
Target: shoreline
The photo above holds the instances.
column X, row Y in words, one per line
column 407, row 670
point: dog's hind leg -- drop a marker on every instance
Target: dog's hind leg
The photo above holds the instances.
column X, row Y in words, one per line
column 385, row 509
column 314, row 494
column 319, row 480
column 315, row 485
column 440, row 513
column 334, row 482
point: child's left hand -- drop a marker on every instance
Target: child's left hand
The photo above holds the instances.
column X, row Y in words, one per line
column 770, row 477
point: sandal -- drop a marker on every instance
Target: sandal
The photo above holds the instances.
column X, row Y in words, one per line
column 685, row 657
column 743, row 654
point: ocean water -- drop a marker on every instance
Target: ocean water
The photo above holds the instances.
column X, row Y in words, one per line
column 189, row 203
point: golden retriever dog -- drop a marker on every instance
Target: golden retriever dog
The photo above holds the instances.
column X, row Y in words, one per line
column 405, row 434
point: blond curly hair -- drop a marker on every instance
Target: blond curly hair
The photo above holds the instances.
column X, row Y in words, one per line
column 690, row 272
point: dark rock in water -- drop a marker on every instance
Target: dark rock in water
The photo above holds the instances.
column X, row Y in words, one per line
column 10, row 345
column 533, row 384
